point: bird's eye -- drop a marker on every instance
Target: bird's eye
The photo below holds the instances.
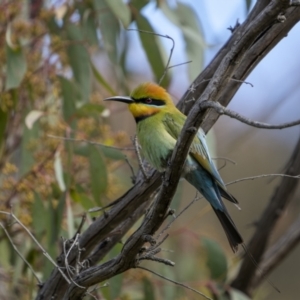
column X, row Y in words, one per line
column 148, row 100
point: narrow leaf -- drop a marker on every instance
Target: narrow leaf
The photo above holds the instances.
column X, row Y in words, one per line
column 16, row 67
column 89, row 109
column 215, row 259
column 89, row 27
column 38, row 215
column 148, row 289
column 151, row 45
column 32, row 117
column 139, row 4
column 69, row 95
column 28, row 135
column 79, row 60
column 186, row 19
column 110, row 29
column 102, row 81
column 58, row 169
column 3, row 122
column 120, row 10
column 98, row 173
column 248, row 5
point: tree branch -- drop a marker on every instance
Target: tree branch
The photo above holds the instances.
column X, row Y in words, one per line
column 232, row 55
column 276, row 254
column 258, row 244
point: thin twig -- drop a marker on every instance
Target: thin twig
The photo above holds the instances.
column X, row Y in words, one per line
column 133, row 177
column 181, row 64
column 20, row 254
column 262, row 176
column 224, row 158
column 171, row 51
column 37, row 242
column 175, row 282
column 137, row 151
column 89, row 142
column 69, row 271
column 224, row 111
column 242, row 81
column 196, row 198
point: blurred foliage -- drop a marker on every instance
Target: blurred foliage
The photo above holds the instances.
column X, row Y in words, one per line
column 50, row 86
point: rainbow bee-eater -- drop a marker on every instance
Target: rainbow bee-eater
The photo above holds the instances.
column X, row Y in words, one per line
column 159, row 124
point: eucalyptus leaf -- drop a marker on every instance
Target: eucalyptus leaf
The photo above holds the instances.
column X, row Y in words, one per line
column 139, row 4
column 82, row 199
column 16, row 66
column 186, row 20
column 58, row 170
column 89, row 27
column 69, row 94
column 79, row 59
column 39, row 214
column 120, row 10
column 248, row 5
column 27, row 159
column 148, row 289
column 109, row 27
column 3, row 123
column 32, row 117
column 89, row 109
column 101, row 80
column 98, row 173
column 215, row 259
column 152, row 47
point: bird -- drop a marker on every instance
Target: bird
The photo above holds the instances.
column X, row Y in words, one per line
column 159, row 124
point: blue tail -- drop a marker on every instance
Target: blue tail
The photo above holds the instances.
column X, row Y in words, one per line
column 207, row 186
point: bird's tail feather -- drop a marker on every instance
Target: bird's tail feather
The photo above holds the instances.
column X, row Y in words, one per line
column 230, row 229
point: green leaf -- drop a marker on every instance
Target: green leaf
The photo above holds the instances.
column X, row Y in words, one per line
column 27, row 159
column 82, row 199
column 115, row 154
column 152, row 47
column 139, row 4
column 58, row 170
column 102, row 81
column 148, row 289
column 16, row 67
column 120, row 10
column 89, row 27
column 215, row 259
column 53, row 227
column 90, row 109
column 39, row 213
column 110, row 29
column 111, row 153
column 69, row 93
column 248, row 5
column 3, row 122
column 115, row 283
column 98, row 173
column 79, row 59
column 185, row 18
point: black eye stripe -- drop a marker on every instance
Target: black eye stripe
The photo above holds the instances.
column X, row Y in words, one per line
column 155, row 102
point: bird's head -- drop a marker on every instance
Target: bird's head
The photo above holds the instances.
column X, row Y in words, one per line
column 146, row 100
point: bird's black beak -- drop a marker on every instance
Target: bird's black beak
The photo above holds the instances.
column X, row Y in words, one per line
column 127, row 100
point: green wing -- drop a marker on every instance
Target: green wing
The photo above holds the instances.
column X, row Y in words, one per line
column 199, row 150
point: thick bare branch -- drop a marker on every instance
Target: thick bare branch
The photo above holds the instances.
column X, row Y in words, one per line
column 232, row 55
column 278, row 252
column 155, row 217
column 244, row 281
